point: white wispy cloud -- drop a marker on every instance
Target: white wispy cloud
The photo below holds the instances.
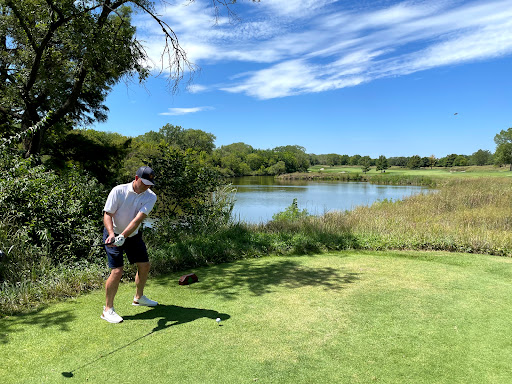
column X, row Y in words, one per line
column 305, row 46
column 196, row 88
column 184, row 111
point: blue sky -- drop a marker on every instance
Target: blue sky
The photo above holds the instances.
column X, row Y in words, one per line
column 372, row 78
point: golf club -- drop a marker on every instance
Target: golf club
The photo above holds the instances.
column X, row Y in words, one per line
column 102, row 245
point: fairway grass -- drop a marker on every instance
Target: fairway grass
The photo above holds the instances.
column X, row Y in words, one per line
column 344, row 317
column 436, row 172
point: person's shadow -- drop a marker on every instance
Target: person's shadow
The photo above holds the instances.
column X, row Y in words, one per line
column 170, row 315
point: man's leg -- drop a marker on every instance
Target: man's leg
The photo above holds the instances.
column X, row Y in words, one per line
column 111, row 286
column 141, row 278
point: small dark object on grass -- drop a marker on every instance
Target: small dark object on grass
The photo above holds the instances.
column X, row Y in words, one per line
column 188, row 279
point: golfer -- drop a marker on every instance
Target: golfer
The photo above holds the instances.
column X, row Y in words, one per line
column 126, row 207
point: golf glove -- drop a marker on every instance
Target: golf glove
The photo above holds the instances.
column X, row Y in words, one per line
column 119, row 240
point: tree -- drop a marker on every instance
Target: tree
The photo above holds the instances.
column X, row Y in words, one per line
column 432, row 160
column 398, row 161
column 254, row 161
column 60, row 58
column 481, row 157
column 185, row 188
column 354, row 160
column 277, row 169
column 333, row 159
column 414, row 162
column 366, row 163
column 460, row 161
column 503, row 154
column 294, row 157
column 101, row 154
column 382, row 163
column 448, row 161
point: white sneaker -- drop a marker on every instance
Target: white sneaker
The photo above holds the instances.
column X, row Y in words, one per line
column 144, row 301
column 111, row 316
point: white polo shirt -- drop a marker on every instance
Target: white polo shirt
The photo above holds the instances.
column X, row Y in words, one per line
column 124, row 204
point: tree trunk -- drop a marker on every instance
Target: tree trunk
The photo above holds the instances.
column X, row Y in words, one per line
column 32, row 144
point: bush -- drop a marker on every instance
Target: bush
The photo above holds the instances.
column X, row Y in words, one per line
column 192, row 195
column 47, row 218
column 291, row 213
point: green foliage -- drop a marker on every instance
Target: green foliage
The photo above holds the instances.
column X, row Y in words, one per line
column 183, row 139
column 503, row 142
column 382, row 163
column 190, row 194
column 291, row 213
column 101, row 154
column 414, row 162
column 47, row 218
column 60, row 58
column 481, row 157
column 44, row 285
column 448, row 161
column 365, row 163
column 239, row 159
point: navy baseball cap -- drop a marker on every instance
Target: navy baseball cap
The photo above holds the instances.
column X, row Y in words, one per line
column 147, row 175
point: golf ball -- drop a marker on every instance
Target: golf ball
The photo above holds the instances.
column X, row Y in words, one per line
column 217, row 320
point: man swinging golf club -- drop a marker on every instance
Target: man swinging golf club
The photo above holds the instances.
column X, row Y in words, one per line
column 126, row 207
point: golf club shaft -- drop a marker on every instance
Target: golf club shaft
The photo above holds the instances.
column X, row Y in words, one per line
column 102, row 245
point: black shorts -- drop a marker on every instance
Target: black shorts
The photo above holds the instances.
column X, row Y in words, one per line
column 134, row 248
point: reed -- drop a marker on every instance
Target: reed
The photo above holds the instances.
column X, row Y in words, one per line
column 380, row 178
column 467, row 215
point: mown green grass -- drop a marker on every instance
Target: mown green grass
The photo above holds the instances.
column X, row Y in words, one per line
column 354, row 316
column 468, row 171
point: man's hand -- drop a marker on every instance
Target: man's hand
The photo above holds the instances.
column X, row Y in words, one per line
column 119, row 240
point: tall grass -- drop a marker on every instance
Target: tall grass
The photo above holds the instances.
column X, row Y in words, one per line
column 380, row 178
column 464, row 215
column 468, row 215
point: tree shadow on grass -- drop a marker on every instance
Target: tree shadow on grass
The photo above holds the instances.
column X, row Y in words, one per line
column 263, row 278
column 12, row 324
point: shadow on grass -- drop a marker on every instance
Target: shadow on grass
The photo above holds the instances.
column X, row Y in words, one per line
column 226, row 280
column 168, row 316
column 12, row 324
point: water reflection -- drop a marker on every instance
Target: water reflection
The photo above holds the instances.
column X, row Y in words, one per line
column 259, row 197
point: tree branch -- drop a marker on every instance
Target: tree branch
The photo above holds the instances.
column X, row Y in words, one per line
column 19, row 16
column 177, row 57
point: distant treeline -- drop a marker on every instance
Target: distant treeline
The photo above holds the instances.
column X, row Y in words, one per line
column 480, row 157
column 112, row 157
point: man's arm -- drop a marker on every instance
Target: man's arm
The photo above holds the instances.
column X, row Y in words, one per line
column 108, row 222
column 109, row 225
column 133, row 224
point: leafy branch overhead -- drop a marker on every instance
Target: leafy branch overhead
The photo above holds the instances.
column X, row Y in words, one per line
column 64, row 56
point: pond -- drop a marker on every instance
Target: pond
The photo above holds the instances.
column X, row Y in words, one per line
column 260, row 197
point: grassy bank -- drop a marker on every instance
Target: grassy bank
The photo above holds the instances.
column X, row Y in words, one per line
column 466, row 215
column 397, row 175
column 344, row 317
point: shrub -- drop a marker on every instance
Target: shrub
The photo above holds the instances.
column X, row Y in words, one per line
column 192, row 195
column 291, row 213
column 47, row 218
